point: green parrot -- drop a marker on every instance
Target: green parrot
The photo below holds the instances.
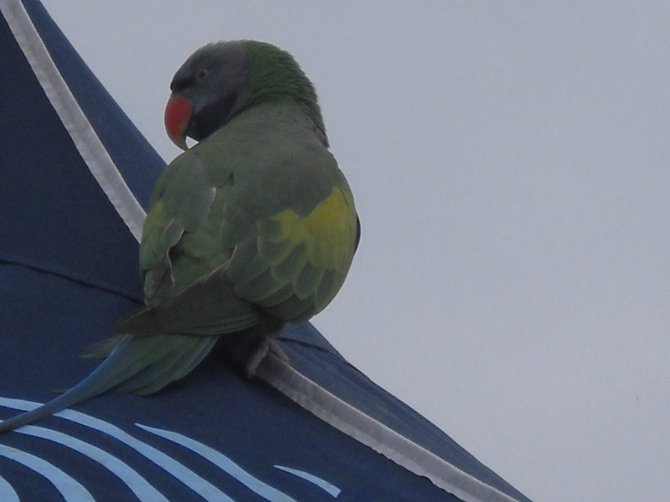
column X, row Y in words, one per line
column 253, row 227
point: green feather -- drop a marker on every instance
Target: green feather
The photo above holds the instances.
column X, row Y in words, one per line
column 286, row 271
column 305, row 284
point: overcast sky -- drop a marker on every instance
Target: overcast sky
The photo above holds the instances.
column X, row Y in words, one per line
column 511, row 167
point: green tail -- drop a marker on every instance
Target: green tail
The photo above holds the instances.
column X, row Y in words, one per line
column 139, row 364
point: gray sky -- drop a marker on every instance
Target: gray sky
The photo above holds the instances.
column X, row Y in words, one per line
column 510, row 164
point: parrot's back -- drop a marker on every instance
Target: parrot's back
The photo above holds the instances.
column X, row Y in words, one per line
column 255, row 220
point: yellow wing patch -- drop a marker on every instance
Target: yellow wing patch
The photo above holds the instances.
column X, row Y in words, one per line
column 297, row 263
column 328, row 232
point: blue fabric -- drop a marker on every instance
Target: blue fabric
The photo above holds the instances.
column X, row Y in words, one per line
column 138, row 161
column 54, row 215
column 246, row 420
column 68, row 271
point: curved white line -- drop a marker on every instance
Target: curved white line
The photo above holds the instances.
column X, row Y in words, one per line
column 224, row 463
column 189, row 478
column 69, row 488
column 330, row 488
column 137, row 484
column 7, row 493
column 374, row 434
column 85, row 139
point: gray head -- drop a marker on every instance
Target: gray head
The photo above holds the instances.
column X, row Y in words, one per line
column 222, row 79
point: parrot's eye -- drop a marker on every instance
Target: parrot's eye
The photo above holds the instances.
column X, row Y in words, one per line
column 202, row 73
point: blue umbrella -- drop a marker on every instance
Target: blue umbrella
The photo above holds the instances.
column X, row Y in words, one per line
column 75, row 176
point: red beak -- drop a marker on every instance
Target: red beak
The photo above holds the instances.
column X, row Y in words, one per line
column 178, row 113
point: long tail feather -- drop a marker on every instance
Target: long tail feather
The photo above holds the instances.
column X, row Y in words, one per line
column 141, row 364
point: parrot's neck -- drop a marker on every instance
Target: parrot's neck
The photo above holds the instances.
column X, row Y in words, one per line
column 283, row 115
column 298, row 110
column 274, row 76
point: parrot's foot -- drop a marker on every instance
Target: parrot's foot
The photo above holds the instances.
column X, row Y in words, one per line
column 261, row 350
column 277, row 351
column 250, row 347
column 258, row 352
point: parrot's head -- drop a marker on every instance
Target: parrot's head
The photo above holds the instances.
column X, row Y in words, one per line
column 221, row 79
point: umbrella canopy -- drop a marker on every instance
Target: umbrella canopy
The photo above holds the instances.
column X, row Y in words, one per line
column 75, row 175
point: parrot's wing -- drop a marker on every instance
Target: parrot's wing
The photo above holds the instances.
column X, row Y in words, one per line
column 290, row 216
column 180, row 243
column 208, row 307
column 294, row 264
column 183, row 256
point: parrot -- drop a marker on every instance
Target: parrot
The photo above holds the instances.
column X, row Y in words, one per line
column 251, row 228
